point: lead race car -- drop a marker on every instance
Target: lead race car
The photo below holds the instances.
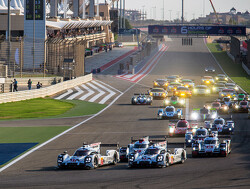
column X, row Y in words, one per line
column 89, row 156
column 141, row 99
column 211, row 146
column 158, row 155
column 169, row 113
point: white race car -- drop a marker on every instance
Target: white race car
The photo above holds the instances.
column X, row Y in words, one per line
column 201, row 90
column 89, row 157
column 157, row 155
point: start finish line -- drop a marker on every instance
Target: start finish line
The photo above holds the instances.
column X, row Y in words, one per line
column 196, row 30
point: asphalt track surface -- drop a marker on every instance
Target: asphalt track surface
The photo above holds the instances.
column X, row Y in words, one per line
column 121, row 121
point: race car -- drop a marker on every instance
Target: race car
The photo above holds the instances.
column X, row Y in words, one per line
column 174, row 101
column 189, row 138
column 173, row 78
column 183, row 92
column 188, row 83
column 123, row 152
column 241, row 97
column 158, row 155
column 207, row 80
column 211, row 146
column 218, row 87
column 223, row 127
column 158, row 93
column 201, row 90
column 220, row 107
column 227, row 101
column 161, row 83
column 199, row 135
column 209, row 69
column 89, row 157
column 203, row 114
column 231, row 93
column 141, row 99
column 169, row 113
column 173, row 86
column 241, row 107
column 221, row 78
column 180, row 128
column 232, row 86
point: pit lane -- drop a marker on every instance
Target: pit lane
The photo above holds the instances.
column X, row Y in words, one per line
column 121, row 121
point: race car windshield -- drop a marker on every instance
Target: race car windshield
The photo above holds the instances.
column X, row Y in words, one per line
column 241, row 96
column 227, row 90
column 200, row 132
column 230, row 84
column 81, row 153
column 174, row 98
column 204, row 111
column 243, row 103
column 218, row 121
column 182, row 89
column 207, row 77
column 140, row 145
column 210, row 141
column 188, row 137
column 226, row 99
column 169, row 109
column 201, row 87
column 156, row 90
column 152, row 151
column 216, row 105
column 182, row 124
column 219, row 85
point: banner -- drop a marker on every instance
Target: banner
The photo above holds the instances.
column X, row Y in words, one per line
column 196, row 30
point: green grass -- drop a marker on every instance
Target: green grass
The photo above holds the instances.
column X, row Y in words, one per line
column 40, row 108
column 233, row 70
column 34, row 108
column 28, row 135
column 82, row 108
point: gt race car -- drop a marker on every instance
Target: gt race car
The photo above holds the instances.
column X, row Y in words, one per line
column 188, row 83
column 183, row 92
column 89, row 157
column 174, row 101
column 169, row 113
column 221, row 78
column 207, row 80
column 158, row 155
column 209, row 69
column 173, row 86
column 160, row 83
column 241, row 107
column 231, row 93
column 201, row 90
column 218, row 87
column 158, row 93
column 141, row 99
column 220, row 107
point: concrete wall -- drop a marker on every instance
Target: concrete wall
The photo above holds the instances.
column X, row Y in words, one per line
column 43, row 92
column 245, row 68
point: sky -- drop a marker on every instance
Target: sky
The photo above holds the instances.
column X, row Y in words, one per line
column 192, row 8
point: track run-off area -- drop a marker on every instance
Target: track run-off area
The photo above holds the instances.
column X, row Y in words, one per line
column 120, row 120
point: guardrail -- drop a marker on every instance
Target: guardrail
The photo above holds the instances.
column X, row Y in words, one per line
column 245, row 68
column 43, row 92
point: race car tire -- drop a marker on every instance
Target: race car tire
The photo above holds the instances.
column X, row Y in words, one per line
column 115, row 159
column 182, row 158
column 167, row 161
column 95, row 163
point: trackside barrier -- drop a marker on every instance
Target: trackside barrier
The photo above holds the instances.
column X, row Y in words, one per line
column 43, row 92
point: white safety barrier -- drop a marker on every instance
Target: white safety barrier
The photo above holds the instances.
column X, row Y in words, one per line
column 43, row 92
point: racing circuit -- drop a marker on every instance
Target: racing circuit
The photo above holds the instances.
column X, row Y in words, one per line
column 121, row 120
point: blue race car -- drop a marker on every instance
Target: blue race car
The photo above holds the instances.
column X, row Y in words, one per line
column 141, row 99
column 169, row 113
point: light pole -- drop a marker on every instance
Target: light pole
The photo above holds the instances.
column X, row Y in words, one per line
column 8, row 36
column 163, row 11
column 143, row 12
column 170, row 14
column 182, row 11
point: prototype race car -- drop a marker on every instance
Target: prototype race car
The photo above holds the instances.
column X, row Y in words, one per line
column 89, row 157
column 158, row 93
column 169, row 113
column 223, row 127
column 231, row 93
column 158, row 155
column 209, row 69
column 207, row 80
column 199, row 135
column 183, row 92
column 221, row 78
column 211, row 146
column 241, row 107
column 174, row 101
column 201, row 90
column 181, row 128
column 203, row 114
column 162, row 83
column 141, row 99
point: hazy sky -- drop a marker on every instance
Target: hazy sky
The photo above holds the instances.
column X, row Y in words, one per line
column 192, row 8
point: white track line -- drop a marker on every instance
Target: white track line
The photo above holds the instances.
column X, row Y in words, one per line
column 101, row 92
column 79, row 92
column 108, row 86
column 64, row 94
column 90, row 92
column 111, row 93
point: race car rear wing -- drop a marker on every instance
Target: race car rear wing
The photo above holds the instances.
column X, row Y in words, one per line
column 135, row 139
column 176, row 145
column 144, row 94
column 110, row 145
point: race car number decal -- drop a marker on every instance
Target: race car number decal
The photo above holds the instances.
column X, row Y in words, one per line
column 172, row 159
column 101, row 160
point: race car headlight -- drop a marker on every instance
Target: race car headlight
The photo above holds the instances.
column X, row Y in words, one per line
column 194, row 148
column 135, row 99
column 207, row 91
column 207, row 82
column 194, row 115
column 151, row 94
column 148, row 99
column 155, row 83
column 166, row 84
column 222, row 95
column 183, row 94
column 236, row 88
column 166, row 101
column 195, row 90
column 229, row 129
column 186, row 86
column 160, row 114
column 237, row 106
column 179, row 113
column 225, row 107
column 160, row 158
column 194, row 130
column 182, row 101
column 88, row 159
column 214, row 88
column 226, row 78
column 209, row 107
column 163, row 94
column 235, row 98
column 214, row 115
column 60, row 160
column 216, row 78
column 131, row 158
column 171, row 129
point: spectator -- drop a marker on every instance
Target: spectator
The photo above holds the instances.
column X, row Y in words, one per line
column 29, row 84
column 39, row 85
column 15, row 85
